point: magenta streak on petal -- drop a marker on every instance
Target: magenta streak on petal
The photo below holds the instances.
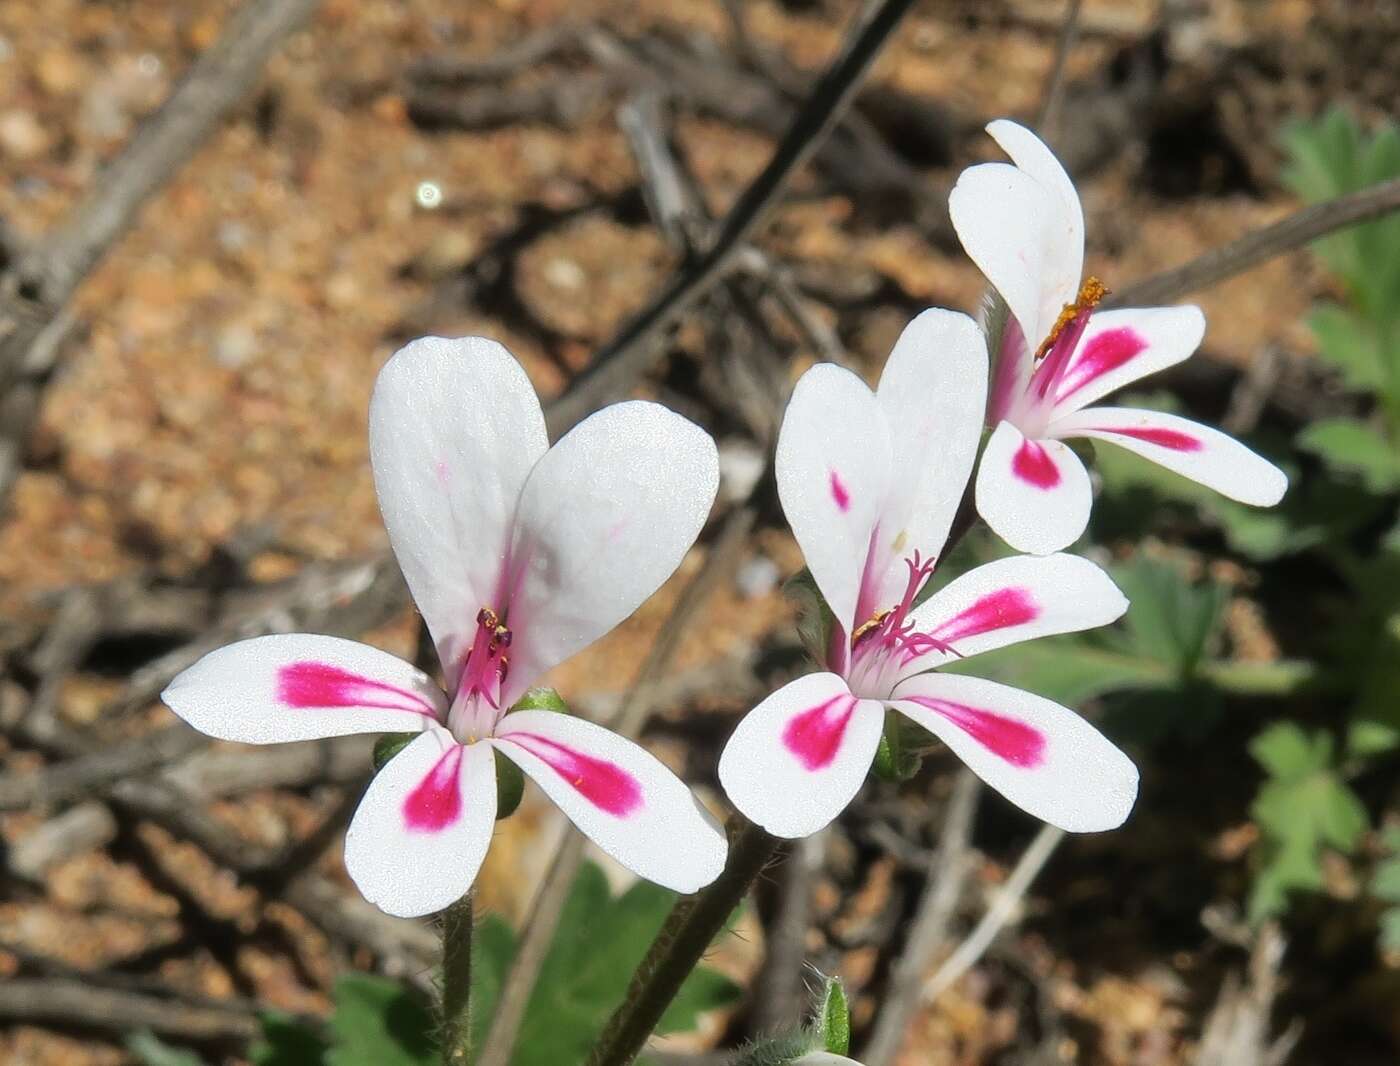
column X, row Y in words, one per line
column 1171, row 439
column 1033, row 465
column 839, row 493
column 603, row 784
column 437, row 800
column 996, row 610
column 815, row 735
column 1104, row 353
column 1019, row 744
column 313, row 684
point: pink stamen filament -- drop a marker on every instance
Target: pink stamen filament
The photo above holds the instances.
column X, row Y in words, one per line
column 892, row 634
column 1052, row 368
column 486, row 663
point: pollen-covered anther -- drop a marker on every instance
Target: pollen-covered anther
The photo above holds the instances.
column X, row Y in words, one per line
column 1091, row 293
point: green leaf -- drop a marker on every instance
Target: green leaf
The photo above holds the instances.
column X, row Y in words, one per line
column 1350, row 343
column 1354, row 448
column 287, row 1041
column 1305, row 806
column 599, row 942
column 1068, row 669
column 379, row 1022
column 541, row 698
column 1170, row 620
column 149, row 1050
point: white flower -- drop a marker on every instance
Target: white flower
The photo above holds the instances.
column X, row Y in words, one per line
column 870, row 483
column 518, row 555
column 1023, row 226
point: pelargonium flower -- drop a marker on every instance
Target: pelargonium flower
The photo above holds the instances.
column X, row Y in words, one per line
column 518, row 556
column 870, row 483
column 1024, row 228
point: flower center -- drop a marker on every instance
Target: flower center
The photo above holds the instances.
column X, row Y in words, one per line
column 886, row 643
column 477, row 705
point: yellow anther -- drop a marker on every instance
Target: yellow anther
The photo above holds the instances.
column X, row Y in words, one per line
column 1090, row 293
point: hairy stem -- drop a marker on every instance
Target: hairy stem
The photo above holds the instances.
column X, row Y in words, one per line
column 457, row 982
column 690, row 927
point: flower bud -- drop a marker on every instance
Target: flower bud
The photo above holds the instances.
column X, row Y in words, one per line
column 510, row 786
column 389, row 745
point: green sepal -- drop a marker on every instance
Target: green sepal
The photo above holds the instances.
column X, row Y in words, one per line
column 389, row 745
column 897, row 758
column 835, row 1020
column 540, row 699
column 815, row 621
column 510, row 786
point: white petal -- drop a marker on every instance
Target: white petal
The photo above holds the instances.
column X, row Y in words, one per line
column 824, row 1058
column 424, row 825
column 299, row 686
column 1034, row 494
column 1200, row 453
column 1023, row 227
column 606, row 516
column 934, row 394
column 1119, row 347
column 1015, row 599
column 799, row 757
column 833, row 471
column 454, row 429
column 1043, row 757
column 619, row 795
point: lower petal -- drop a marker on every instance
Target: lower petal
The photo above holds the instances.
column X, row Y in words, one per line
column 422, row 829
column 1194, row 451
column 1041, row 756
column 619, row 795
column 799, row 757
column 1033, row 493
column 299, row 686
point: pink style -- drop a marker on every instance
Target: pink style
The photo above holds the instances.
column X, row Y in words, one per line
column 870, row 483
column 1057, row 354
column 507, row 591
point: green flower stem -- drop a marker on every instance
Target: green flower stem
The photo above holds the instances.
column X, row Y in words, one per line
column 457, row 982
column 690, row 927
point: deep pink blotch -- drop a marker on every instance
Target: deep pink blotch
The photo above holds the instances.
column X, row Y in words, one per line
column 1033, row 465
column 815, row 735
column 1104, row 353
column 839, row 493
column 996, row 610
column 313, row 684
column 1172, row 439
column 437, row 801
column 604, row 784
column 1009, row 738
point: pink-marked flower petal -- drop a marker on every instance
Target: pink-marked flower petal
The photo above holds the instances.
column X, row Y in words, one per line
column 1014, row 599
column 1041, row 756
column 299, row 687
column 619, row 795
column 1023, row 227
column 1119, row 347
column 422, row 829
column 833, row 470
column 824, row 1058
column 1194, row 451
column 799, row 757
column 1034, row 494
column 933, row 392
column 605, row 517
column 454, row 430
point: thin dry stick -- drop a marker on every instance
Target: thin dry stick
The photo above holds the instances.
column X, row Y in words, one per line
column 1300, row 228
column 633, row 349
column 781, row 997
column 35, row 293
column 1036, row 855
column 930, row 930
column 629, row 721
column 1053, row 92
